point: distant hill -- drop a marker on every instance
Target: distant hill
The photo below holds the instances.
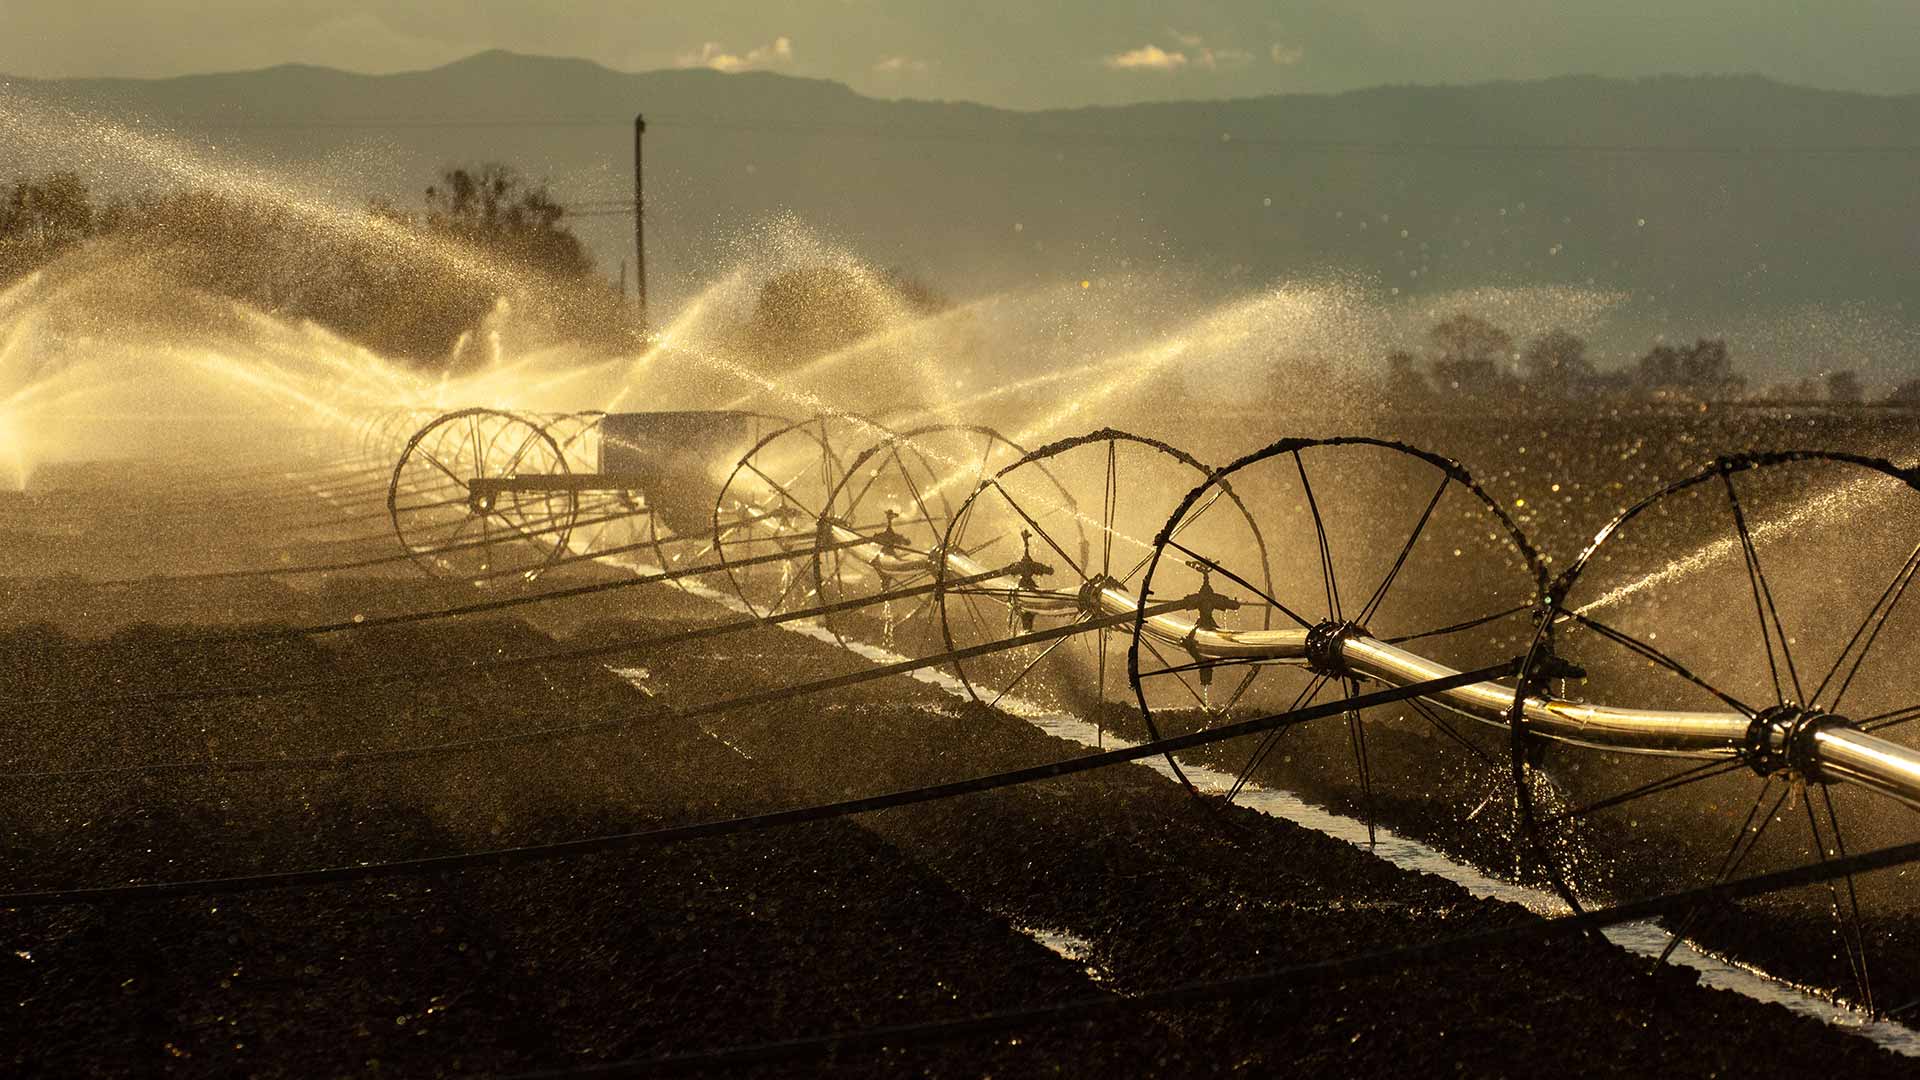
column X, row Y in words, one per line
column 1713, row 201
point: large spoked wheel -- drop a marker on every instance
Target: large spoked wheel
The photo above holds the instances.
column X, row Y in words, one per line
column 578, row 436
column 1768, row 588
column 769, row 511
column 1362, row 537
column 454, row 525
column 1088, row 556
column 900, row 495
column 609, row 520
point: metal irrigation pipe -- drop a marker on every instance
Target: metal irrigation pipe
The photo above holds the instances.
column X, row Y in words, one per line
column 1828, row 747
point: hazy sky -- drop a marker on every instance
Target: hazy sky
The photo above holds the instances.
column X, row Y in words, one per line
column 1017, row 53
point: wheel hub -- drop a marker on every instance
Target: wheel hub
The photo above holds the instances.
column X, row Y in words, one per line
column 1780, row 740
column 1323, row 646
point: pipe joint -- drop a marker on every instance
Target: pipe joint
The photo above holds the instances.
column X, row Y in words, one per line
column 1324, row 641
column 1780, row 741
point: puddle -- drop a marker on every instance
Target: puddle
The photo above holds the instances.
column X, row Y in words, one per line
column 1067, row 946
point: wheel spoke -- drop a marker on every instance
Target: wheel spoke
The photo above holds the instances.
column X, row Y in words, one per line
column 980, row 623
column 1432, row 717
column 1459, row 626
column 1744, row 842
column 1100, row 681
column 1110, row 498
column 1238, row 580
column 1849, row 917
column 1240, row 691
column 1191, row 692
column 1704, row 771
column 1763, row 601
column 1219, row 492
column 1419, row 527
column 486, row 537
column 465, row 520
column 782, row 491
column 479, row 455
column 1326, row 549
column 1203, row 665
column 1889, row 719
column 872, row 479
column 1035, row 526
column 1357, row 735
column 926, row 512
column 1031, row 664
column 1895, row 592
column 919, row 609
column 786, row 592
column 462, row 481
column 1649, row 652
column 1272, row 738
column 533, row 433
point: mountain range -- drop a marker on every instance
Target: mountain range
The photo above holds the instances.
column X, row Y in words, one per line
column 1701, row 205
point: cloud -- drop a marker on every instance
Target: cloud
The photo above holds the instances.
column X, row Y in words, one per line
column 1193, row 51
column 1147, row 58
column 714, row 55
column 1286, row 55
column 900, row 65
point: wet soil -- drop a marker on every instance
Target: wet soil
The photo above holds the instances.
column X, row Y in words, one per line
column 898, row 917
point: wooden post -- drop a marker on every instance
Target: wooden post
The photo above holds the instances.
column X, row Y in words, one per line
column 639, row 224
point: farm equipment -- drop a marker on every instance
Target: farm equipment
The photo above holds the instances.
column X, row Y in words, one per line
column 953, row 546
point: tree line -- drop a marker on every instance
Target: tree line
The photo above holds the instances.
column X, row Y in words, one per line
column 412, row 285
column 1470, row 356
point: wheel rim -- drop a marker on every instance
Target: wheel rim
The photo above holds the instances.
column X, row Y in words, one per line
column 1777, row 600
column 1082, row 543
column 449, row 530
column 1359, row 533
column 902, row 490
column 771, row 505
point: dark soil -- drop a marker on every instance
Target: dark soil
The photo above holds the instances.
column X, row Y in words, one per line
column 903, row 916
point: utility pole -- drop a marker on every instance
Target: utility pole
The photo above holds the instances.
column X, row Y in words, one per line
column 639, row 224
